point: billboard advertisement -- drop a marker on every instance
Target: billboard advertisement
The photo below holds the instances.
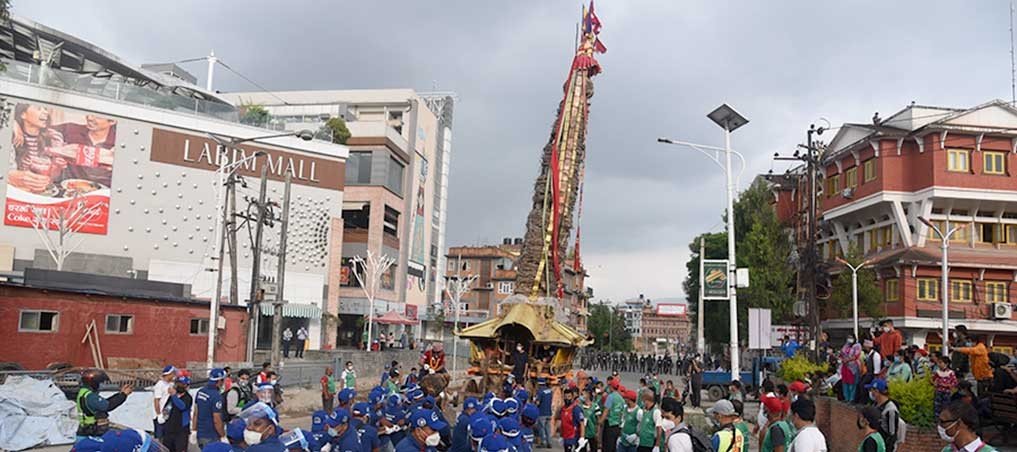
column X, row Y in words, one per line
column 674, row 310
column 715, row 280
column 61, row 169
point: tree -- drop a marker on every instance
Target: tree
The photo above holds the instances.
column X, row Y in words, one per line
column 335, row 130
column 254, row 115
column 369, row 273
column 608, row 329
column 66, row 221
column 715, row 322
column 870, row 297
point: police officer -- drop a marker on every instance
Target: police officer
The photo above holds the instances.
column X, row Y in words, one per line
column 209, row 406
column 93, row 409
column 461, row 433
column 423, row 435
column 369, row 441
column 344, row 438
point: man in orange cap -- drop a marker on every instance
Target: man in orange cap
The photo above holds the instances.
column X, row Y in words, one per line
column 797, row 389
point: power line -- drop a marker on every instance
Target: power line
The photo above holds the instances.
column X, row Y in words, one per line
column 262, row 88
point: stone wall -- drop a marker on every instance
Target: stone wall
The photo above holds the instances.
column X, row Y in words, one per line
column 837, row 422
column 368, row 365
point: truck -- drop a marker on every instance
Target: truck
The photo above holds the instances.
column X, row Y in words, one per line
column 716, row 382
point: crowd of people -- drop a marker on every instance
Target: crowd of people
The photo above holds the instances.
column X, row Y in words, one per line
column 663, row 364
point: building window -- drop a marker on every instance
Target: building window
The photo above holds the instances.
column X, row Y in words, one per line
column 961, row 235
column 388, row 279
column 990, row 232
column 358, row 168
column 995, row 162
column 833, row 185
column 881, row 237
column 505, row 287
column 960, row 290
column 357, row 218
column 892, row 288
column 119, row 324
column 958, row 160
column 347, row 273
column 869, row 170
column 391, row 225
column 39, row 321
column 928, row 289
column 394, row 181
column 199, row 327
column 851, row 177
column 1011, row 234
column 995, row 292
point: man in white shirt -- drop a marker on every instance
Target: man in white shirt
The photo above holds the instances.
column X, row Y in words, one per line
column 809, row 438
column 160, row 393
column 287, row 339
column 301, row 340
column 678, row 438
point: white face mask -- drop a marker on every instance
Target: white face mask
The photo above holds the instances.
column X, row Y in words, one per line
column 252, row 437
column 851, row 340
column 433, row 439
column 943, row 435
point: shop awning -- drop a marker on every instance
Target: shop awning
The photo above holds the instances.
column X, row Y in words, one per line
column 298, row 310
column 393, row 318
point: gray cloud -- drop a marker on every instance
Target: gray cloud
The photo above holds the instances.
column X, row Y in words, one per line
column 782, row 64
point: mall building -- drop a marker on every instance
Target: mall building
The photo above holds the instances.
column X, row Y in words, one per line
column 395, row 200
column 126, row 159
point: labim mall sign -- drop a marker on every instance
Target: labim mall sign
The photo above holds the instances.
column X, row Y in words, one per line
column 204, row 153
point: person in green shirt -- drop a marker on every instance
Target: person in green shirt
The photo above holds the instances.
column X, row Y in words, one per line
column 900, row 369
column 328, row 390
column 957, row 424
column 779, row 432
column 740, row 423
column 611, row 418
column 649, row 430
column 868, row 423
column 629, row 440
column 591, row 412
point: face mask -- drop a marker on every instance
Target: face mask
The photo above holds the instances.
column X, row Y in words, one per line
column 896, row 359
column 851, row 340
column 794, row 397
column 886, row 329
column 862, row 424
column 333, row 432
column 872, row 396
column 433, row 439
column 252, row 437
column 943, row 435
column 714, row 422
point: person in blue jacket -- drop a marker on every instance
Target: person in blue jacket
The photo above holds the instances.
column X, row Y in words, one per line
column 495, row 443
column 209, row 406
column 344, row 435
column 523, row 396
column 461, row 433
column 345, row 398
column 528, row 420
column 217, row 446
column 263, row 429
column 235, row 434
column 117, row 440
column 511, row 407
column 480, row 428
column 318, row 435
column 369, row 441
column 178, row 417
column 510, row 430
column 423, row 435
column 499, row 408
column 544, row 399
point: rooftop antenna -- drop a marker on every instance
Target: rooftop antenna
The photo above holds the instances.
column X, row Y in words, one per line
column 1013, row 71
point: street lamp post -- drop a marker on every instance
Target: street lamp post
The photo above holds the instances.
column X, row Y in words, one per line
column 729, row 120
column 854, row 289
column 226, row 178
column 455, row 290
column 944, row 292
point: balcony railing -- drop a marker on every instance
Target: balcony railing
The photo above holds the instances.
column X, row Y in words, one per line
column 116, row 88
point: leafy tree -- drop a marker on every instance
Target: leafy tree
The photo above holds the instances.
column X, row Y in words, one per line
column 607, row 327
column 870, row 297
column 335, row 130
column 254, row 114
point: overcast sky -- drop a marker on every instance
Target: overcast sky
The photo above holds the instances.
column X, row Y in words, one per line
column 781, row 64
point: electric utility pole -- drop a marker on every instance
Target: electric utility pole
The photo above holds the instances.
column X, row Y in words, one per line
column 255, row 297
column 280, row 279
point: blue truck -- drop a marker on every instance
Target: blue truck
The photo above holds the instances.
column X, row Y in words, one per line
column 715, row 382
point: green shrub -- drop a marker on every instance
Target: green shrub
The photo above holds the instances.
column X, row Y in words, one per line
column 914, row 399
column 798, row 368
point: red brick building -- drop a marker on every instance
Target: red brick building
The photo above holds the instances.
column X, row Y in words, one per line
column 955, row 167
column 664, row 326
column 43, row 326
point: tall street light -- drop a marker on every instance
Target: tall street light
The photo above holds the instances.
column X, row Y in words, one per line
column 854, row 289
column 226, row 178
column 455, row 289
column 729, row 120
column 944, row 291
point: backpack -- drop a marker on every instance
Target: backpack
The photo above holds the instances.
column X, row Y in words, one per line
column 700, row 442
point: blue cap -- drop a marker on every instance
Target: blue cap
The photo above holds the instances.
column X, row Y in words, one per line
column 361, row 408
column 480, row 426
column 235, row 429
column 376, row 395
column 511, row 405
column 393, row 400
column 318, row 420
column 339, row 417
column 123, row 441
column 169, row 370
column 415, row 395
column 293, row 439
column 509, row 427
column 216, row 374
column 541, row 380
column 427, row 418
column 494, row 443
column 522, row 395
column 427, row 402
column 346, row 394
column 217, row 446
column 470, row 403
column 184, row 380
column 878, row 384
column 530, row 411
column 266, row 385
column 498, row 407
